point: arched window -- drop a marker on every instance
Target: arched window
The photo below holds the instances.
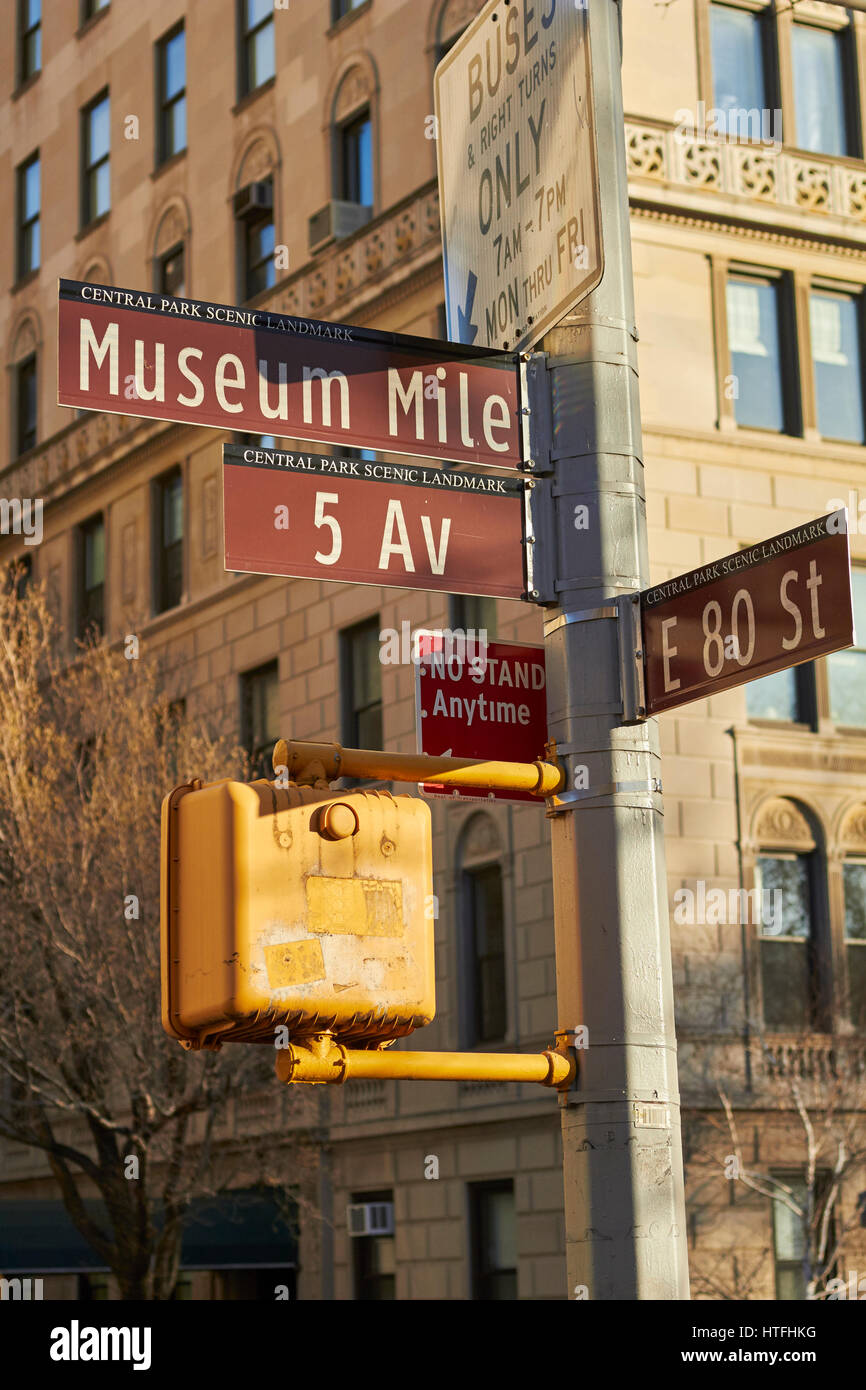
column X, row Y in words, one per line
column 254, row 204
column 170, row 256
column 353, row 142
column 793, row 952
column 24, row 404
column 454, row 16
column 482, row 963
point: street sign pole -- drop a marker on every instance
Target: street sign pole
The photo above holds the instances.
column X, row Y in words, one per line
column 622, row 1157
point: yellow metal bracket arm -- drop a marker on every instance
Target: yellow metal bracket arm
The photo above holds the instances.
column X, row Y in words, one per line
column 308, row 762
column 321, row 1059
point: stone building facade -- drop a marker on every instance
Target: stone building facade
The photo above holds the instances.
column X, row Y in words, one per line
column 197, row 149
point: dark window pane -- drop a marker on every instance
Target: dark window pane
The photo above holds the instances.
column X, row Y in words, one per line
column 170, row 542
column 357, row 159
column 26, row 404
column 854, row 878
column 363, row 676
column 172, row 278
column 785, row 944
column 818, row 90
column 470, row 613
column 773, row 697
column 847, row 670
column 260, row 716
column 753, row 340
column 494, row 1240
column 91, row 608
column 738, row 69
column 487, row 944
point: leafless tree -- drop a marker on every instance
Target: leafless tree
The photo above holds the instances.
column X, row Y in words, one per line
column 88, row 748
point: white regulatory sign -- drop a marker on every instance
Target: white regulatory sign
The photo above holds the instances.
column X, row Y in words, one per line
column 518, row 177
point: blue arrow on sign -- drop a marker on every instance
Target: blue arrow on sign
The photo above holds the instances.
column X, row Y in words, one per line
column 466, row 328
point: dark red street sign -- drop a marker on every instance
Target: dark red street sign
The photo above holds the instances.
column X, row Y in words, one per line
column 772, row 605
column 362, row 521
column 260, row 372
column 480, row 699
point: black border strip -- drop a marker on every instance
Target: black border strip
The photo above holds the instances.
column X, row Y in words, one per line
column 407, row 342
column 649, row 603
column 511, row 489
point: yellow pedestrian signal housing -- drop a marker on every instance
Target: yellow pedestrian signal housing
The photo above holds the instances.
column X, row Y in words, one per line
column 295, row 906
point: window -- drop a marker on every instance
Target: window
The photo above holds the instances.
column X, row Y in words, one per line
column 171, row 272
column 339, row 8
column 169, row 540
column 91, row 577
column 846, row 670
column 740, row 49
column 756, row 307
column 29, row 38
column 374, row 1258
column 787, row 943
column 835, row 330
column 473, row 614
column 29, row 208
column 171, row 87
column 485, row 954
column 494, row 1242
column 260, row 716
column 789, row 1239
column 788, row 696
column 254, row 212
column 257, row 64
column 356, row 161
column 854, row 883
column 819, row 62
column 362, row 685
column 96, row 192
column 19, row 575
column 92, row 7
column 26, row 400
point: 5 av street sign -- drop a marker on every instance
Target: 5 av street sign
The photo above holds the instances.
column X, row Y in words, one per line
column 364, row 522
column 479, row 699
column 260, row 372
column 762, row 609
column 518, row 182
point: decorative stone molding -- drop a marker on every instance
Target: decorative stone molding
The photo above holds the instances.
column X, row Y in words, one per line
column 129, row 572
column 257, row 158
column 209, row 517
column 745, row 169
column 25, row 338
column 852, row 833
column 781, row 822
column 172, row 227
column 480, row 839
column 96, row 270
column 456, row 14
column 354, row 90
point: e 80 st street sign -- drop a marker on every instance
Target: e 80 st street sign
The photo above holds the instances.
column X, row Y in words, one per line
column 363, row 522
column 261, row 372
column 518, row 178
column 770, row 606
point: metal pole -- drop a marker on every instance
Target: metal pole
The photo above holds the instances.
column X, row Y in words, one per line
column 622, row 1158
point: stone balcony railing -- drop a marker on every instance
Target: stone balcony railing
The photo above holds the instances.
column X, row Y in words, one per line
column 822, row 1060
column 829, row 193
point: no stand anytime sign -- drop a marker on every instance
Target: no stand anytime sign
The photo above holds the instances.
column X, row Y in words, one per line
column 261, row 372
column 364, row 522
column 772, row 605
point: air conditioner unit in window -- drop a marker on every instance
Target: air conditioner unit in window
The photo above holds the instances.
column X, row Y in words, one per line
column 253, row 199
column 335, row 221
column 370, row 1218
